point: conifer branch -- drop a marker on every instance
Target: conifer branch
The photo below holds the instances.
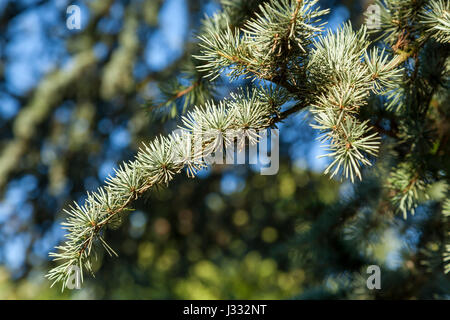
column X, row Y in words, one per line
column 333, row 75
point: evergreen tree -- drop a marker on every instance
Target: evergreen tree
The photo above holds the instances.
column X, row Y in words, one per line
column 379, row 101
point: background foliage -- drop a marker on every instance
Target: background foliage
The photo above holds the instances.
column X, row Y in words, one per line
column 74, row 104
